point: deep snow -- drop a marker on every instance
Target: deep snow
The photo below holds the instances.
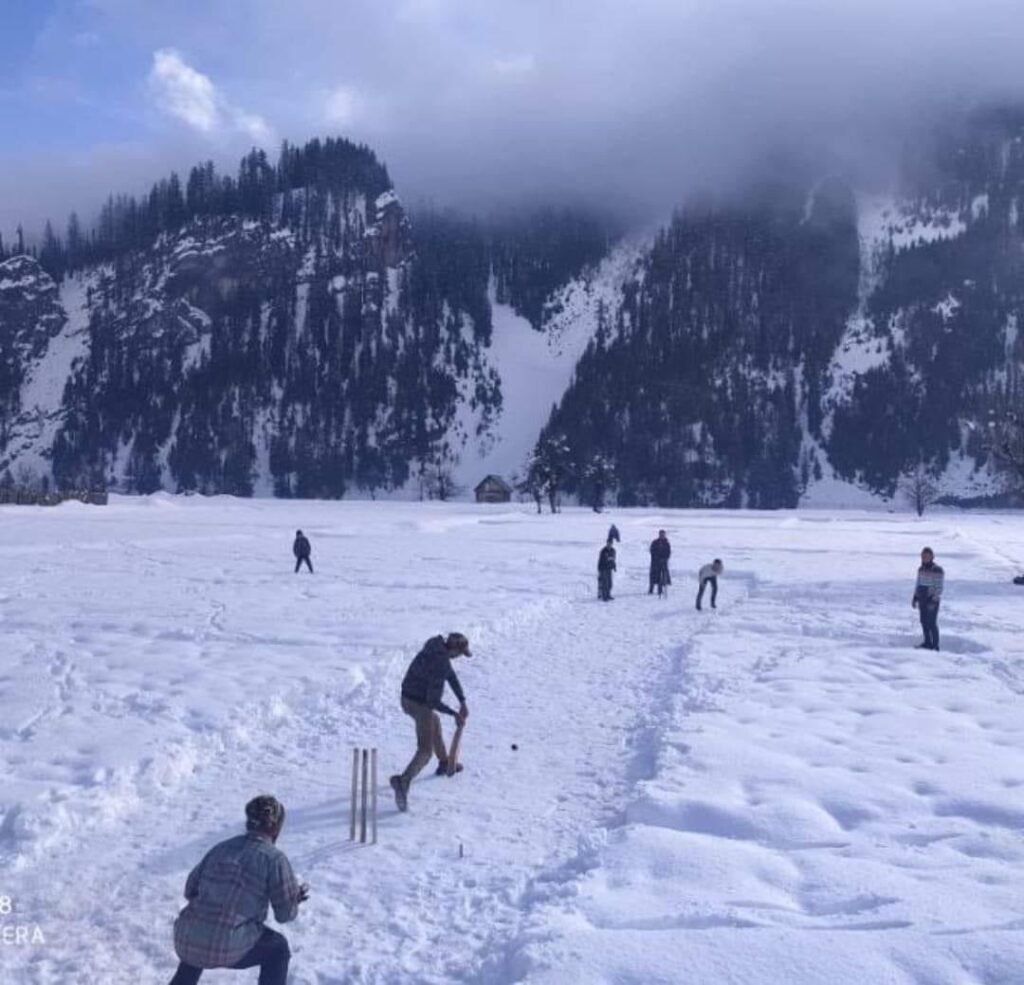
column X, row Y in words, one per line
column 782, row 792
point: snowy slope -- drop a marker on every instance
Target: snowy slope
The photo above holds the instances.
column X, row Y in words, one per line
column 782, row 792
column 536, row 367
column 42, row 408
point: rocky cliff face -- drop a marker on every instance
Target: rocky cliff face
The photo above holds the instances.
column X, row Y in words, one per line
column 302, row 353
column 31, row 315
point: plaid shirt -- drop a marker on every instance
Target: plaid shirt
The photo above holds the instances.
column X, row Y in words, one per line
column 228, row 894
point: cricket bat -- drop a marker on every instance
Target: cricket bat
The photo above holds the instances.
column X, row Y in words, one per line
column 453, row 750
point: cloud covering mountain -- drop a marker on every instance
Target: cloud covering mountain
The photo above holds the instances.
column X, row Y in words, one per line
column 486, row 104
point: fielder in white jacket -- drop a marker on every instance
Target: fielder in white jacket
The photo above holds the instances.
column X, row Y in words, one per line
column 708, row 575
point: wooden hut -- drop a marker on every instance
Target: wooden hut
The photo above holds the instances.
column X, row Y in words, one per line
column 493, row 489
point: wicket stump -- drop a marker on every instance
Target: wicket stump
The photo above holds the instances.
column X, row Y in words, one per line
column 364, row 794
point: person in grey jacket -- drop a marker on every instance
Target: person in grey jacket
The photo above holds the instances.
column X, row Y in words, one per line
column 422, row 691
column 927, row 596
column 229, row 893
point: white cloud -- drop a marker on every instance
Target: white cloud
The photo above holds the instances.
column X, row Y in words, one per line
column 254, row 127
column 341, row 106
column 516, row 67
column 187, row 94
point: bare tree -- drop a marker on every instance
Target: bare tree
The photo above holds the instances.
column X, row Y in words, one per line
column 27, row 478
column 919, row 488
column 550, row 466
column 531, row 485
column 598, row 475
column 439, row 480
column 1006, row 443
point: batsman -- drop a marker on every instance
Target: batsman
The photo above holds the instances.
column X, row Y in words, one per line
column 422, row 693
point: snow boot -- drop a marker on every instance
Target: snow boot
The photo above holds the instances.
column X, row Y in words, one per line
column 442, row 768
column 401, row 792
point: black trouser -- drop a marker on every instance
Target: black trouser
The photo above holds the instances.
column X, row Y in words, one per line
column 929, row 612
column 713, row 582
column 604, row 586
column 300, row 559
column 659, row 576
column 270, row 952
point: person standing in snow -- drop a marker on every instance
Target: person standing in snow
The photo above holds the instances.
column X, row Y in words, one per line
column 229, row 893
column 302, row 550
column 605, row 567
column 927, row 595
column 708, row 575
column 613, row 534
column 661, row 551
column 422, row 690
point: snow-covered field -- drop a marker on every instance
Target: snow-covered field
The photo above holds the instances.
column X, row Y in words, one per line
column 782, row 792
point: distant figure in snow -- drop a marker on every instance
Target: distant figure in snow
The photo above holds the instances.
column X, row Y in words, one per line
column 613, row 534
column 302, row 550
column 605, row 567
column 661, row 551
column 1019, row 580
column 422, row 690
column 708, row 575
column 228, row 893
column 927, row 595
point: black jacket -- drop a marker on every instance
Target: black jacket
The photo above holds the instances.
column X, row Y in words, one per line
column 661, row 551
column 301, row 546
column 606, row 559
column 425, row 679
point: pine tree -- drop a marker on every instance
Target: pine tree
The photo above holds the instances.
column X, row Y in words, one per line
column 51, row 255
column 73, row 242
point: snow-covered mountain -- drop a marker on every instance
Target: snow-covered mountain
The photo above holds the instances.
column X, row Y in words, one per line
column 293, row 333
column 303, row 351
column 814, row 347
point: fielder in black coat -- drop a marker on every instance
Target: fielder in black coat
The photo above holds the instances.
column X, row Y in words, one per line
column 661, row 551
column 302, row 550
column 605, row 567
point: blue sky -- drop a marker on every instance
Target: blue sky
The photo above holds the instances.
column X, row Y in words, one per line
column 472, row 102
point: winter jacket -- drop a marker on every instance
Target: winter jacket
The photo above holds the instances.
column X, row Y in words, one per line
column 661, row 551
column 301, row 547
column 930, row 578
column 425, row 679
column 606, row 559
column 228, row 895
column 708, row 571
